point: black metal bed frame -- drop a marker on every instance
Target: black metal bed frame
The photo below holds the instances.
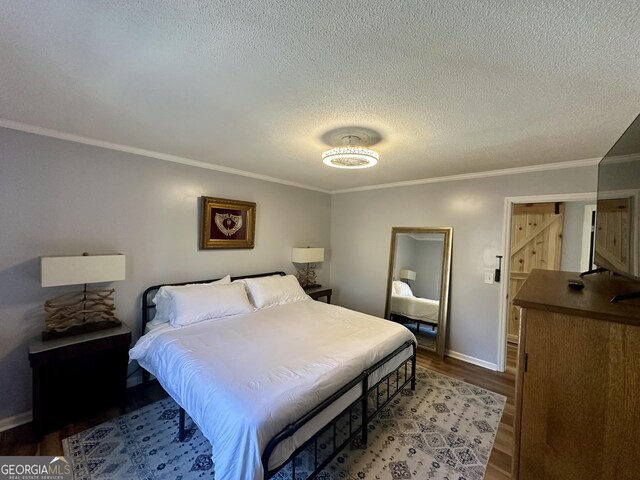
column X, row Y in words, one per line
column 365, row 407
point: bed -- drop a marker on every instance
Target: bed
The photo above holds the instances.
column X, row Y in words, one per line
column 278, row 382
column 405, row 304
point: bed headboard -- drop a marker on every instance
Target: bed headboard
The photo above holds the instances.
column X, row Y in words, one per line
column 148, row 307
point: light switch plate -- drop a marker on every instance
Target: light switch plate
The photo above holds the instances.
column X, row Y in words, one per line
column 488, row 277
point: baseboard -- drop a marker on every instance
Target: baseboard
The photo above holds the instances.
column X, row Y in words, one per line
column 15, row 421
column 25, row 417
column 472, row 360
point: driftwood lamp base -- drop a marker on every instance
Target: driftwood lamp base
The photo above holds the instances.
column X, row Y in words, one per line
column 79, row 329
column 307, row 276
column 79, row 312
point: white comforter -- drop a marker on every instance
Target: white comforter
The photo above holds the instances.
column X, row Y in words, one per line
column 244, row 378
column 416, row 308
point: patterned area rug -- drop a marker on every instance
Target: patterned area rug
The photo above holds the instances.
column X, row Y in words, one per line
column 443, row 430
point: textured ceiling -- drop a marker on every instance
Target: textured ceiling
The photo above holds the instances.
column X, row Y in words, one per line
column 451, row 86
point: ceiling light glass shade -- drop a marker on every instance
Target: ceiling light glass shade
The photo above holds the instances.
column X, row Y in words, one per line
column 350, row 157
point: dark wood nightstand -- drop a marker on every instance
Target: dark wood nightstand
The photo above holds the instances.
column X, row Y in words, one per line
column 77, row 376
column 319, row 292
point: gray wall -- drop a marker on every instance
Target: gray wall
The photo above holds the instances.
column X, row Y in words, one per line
column 59, row 198
column 404, row 255
column 425, row 258
column 361, row 224
column 428, row 258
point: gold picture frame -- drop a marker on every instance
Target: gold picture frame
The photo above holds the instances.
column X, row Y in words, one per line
column 227, row 223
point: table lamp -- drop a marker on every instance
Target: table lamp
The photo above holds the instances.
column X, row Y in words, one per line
column 307, row 275
column 83, row 311
column 406, row 274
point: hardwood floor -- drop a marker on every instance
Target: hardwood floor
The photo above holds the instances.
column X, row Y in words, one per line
column 19, row 440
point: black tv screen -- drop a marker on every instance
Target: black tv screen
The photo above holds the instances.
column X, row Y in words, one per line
column 618, row 215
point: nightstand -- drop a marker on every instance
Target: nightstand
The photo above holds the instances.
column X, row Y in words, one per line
column 319, row 292
column 77, row 376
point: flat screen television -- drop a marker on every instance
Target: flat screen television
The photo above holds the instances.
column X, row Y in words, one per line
column 617, row 239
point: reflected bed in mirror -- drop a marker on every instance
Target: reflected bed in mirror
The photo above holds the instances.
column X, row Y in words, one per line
column 418, row 283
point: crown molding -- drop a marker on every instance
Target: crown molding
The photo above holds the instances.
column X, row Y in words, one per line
column 469, row 176
column 47, row 132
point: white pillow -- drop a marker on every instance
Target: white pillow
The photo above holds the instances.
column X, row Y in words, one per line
column 207, row 302
column 274, row 290
column 162, row 300
column 402, row 289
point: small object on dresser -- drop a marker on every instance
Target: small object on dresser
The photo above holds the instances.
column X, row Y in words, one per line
column 576, row 285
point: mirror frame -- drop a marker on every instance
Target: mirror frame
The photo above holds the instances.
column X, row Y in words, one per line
column 445, row 278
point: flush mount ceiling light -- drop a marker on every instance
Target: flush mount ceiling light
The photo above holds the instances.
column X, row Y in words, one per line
column 350, row 155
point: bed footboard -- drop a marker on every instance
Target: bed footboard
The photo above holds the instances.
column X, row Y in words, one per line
column 349, row 423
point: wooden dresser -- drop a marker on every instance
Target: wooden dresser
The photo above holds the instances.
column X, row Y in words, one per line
column 578, row 380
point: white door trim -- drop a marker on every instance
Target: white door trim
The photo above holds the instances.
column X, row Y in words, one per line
column 506, row 243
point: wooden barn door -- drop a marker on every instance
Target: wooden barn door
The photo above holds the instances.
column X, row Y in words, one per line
column 612, row 238
column 536, row 242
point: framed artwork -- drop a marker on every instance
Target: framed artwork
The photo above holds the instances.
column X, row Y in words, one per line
column 227, row 223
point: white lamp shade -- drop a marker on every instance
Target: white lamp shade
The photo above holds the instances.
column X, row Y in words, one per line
column 78, row 269
column 307, row 255
column 406, row 274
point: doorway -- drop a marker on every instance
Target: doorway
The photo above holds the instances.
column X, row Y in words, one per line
column 536, row 242
column 507, row 287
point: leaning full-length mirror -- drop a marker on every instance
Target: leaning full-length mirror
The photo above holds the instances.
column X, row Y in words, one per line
column 418, row 283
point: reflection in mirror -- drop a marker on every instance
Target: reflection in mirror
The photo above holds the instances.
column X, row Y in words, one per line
column 418, row 283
